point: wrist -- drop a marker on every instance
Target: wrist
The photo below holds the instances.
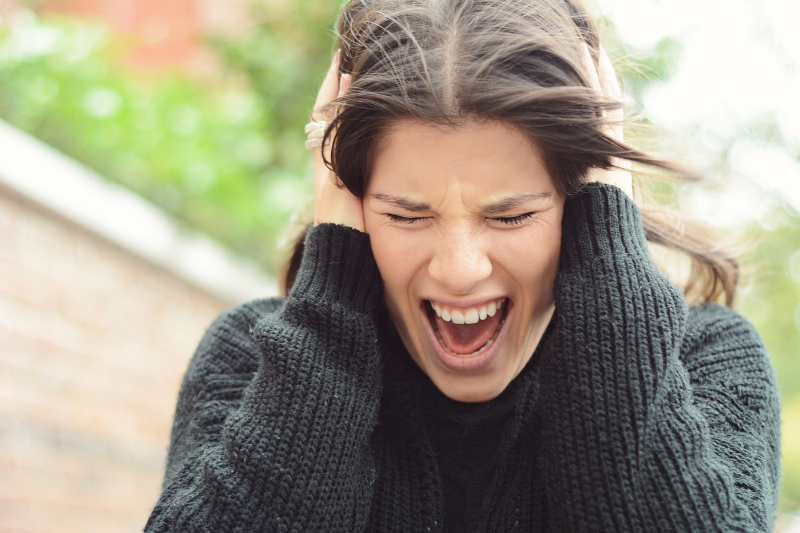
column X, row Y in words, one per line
column 342, row 215
column 335, row 204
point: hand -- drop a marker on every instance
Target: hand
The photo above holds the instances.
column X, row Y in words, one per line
column 331, row 203
column 604, row 79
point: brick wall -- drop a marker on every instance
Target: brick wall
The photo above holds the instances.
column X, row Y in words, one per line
column 93, row 345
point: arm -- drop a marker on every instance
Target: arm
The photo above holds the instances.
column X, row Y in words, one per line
column 625, row 445
column 733, row 386
column 291, row 453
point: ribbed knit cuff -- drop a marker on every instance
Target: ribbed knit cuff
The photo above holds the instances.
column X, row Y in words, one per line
column 338, row 266
column 600, row 222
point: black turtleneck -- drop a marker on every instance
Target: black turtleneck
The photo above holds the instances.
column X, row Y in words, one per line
column 471, row 442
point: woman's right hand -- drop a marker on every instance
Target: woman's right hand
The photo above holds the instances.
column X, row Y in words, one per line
column 604, row 80
column 332, row 203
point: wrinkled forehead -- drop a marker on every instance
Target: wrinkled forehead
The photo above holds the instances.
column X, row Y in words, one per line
column 483, row 162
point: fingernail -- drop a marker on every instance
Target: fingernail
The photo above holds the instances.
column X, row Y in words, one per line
column 336, row 56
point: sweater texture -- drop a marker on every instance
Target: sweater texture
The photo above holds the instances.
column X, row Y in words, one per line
column 636, row 413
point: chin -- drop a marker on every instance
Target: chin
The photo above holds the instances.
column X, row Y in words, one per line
column 470, row 390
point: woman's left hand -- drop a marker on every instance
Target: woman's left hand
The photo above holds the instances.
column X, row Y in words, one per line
column 604, row 79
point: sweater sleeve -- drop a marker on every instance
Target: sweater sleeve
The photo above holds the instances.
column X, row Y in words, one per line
column 286, row 448
column 630, row 441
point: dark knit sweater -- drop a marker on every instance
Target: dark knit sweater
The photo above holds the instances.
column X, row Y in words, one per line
column 471, row 442
column 637, row 413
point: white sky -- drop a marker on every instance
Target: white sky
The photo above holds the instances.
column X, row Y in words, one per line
column 740, row 66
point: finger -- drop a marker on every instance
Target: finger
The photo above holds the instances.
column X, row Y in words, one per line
column 612, row 89
column 330, row 87
column 344, row 84
column 591, row 70
column 603, row 79
column 608, row 76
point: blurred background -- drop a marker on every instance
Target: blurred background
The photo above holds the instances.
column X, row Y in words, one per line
column 152, row 173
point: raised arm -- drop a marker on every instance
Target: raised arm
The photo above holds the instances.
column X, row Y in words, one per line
column 648, row 426
column 286, row 448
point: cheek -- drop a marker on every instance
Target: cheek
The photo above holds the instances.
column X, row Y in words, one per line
column 399, row 256
column 532, row 257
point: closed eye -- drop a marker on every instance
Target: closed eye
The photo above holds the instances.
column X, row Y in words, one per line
column 517, row 220
column 403, row 220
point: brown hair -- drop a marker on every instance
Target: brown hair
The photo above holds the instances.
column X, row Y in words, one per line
column 452, row 62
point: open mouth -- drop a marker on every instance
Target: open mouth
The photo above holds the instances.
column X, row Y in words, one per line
column 470, row 332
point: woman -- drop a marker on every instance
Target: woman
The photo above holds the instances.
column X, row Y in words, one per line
column 476, row 338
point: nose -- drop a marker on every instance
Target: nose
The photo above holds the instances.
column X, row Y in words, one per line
column 460, row 262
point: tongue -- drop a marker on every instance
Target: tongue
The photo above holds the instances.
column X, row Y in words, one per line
column 467, row 338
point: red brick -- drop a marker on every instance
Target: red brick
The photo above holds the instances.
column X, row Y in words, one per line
column 93, row 345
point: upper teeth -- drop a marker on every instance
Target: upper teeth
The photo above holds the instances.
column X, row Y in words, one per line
column 467, row 316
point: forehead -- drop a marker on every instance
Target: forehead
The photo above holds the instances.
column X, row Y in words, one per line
column 487, row 159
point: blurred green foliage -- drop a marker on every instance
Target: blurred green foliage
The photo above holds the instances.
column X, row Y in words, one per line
column 771, row 300
column 226, row 155
column 638, row 68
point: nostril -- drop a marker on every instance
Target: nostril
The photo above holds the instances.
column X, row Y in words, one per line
column 460, row 264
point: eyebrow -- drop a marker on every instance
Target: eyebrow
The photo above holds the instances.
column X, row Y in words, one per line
column 501, row 206
column 510, row 202
column 402, row 203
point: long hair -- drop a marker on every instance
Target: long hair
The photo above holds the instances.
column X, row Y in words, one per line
column 520, row 62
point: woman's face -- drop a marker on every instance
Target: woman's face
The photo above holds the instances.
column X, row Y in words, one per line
column 465, row 226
